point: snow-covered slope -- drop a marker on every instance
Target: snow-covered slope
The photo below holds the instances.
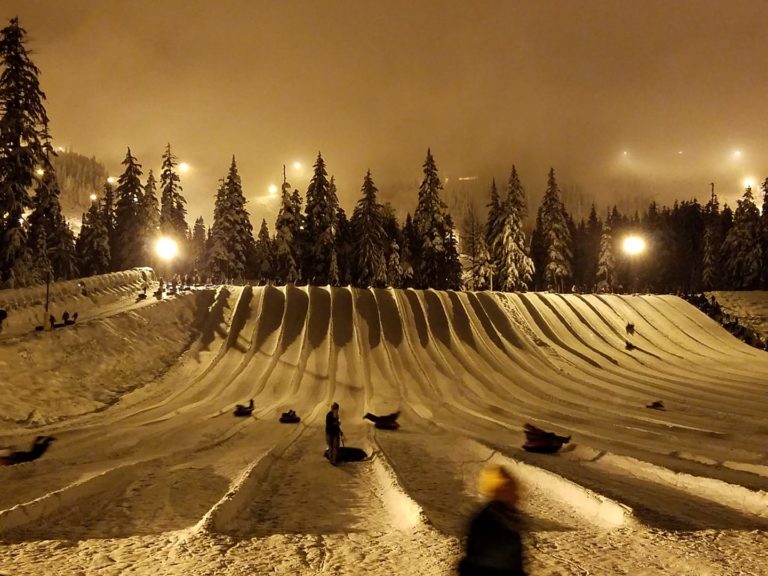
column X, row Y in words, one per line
column 177, row 485
column 750, row 307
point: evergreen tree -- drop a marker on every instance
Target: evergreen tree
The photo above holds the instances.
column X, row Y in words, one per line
column 108, row 211
column 198, row 244
column 594, row 232
column 25, row 145
column 493, row 226
column 555, row 236
column 436, row 258
column 92, row 246
column 173, row 209
column 344, row 247
column 128, row 250
column 288, row 230
column 605, row 263
column 264, row 254
column 406, row 254
column 472, row 239
column 370, row 240
column 742, row 244
column 510, row 251
column 764, row 236
column 713, row 241
column 319, row 223
column 52, row 242
column 232, row 243
column 394, row 269
column 149, row 215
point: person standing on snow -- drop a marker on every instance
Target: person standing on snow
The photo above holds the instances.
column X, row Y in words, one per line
column 333, row 432
column 494, row 546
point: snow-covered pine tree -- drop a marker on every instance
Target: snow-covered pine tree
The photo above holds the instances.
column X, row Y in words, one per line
column 606, row 267
column 52, row 242
column 26, row 146
column 394, row 269
column 555, row 236
column 319, row 223
column 436, row 259
column 476, row 258
column 742, row 244
column 150, row 217
column 173, row 209
column 344, row 247
column 107, row 207
column 92, row 245
column 510, row 248
column 410, row 244
column 264, row 254
column 370, row 241
column 232, row 242
column 493, row 227
column 592, row 249
column 198, row 244
column 128, row 250
column 287, row 236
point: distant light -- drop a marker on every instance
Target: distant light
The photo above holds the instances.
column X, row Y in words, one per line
column 679, row 151
column 633, row 245
column 111, row 180
column 626, row 153
column 737, row 154
column 60, row 148
column 297, row 165
column 93, row 197
column 39, row 171
column 183, row 167
column 166, row 248
column 272, row 189
column 749, row 182
column 463, row 178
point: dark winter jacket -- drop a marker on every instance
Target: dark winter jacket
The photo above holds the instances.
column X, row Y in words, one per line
column 332, row 424
column 494, row 547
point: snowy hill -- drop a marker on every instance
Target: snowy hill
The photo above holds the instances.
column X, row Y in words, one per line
column 750, row 307
column 167, row 481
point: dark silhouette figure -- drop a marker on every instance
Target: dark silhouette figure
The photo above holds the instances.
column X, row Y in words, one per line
column 386, row 422
column 656, row 405
column 65, row 317
column 290, row 417
column 52, row 320
column 543, row 442
column 629, row 346
column 494, row 546
column 242, row 410
column 3, row 316
column 333, row 433
column 39, row 446
column 74, row 318
column 630, row 328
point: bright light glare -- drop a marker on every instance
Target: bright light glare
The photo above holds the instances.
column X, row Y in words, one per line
column 626, row 153
column 633, row 245
column 272, row 189
column 737, row 154
column 166, row 248
column 93, row 197
column 749, row 182
column 183, row 167
column 39, row 171
column 111, row 180
column 297, row 165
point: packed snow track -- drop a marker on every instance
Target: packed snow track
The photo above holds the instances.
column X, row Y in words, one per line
column 160, row 477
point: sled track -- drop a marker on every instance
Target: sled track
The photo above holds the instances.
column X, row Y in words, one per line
column 467, row 370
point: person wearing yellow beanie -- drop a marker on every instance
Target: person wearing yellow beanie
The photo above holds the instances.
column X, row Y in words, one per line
column 494, row 546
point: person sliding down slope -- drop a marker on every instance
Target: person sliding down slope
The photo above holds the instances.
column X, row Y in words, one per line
column 333, row 433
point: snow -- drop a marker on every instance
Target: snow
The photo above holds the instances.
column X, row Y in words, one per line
column 150, row 472
column 750, row 307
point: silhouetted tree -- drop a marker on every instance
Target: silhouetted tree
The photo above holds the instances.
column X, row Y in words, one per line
column 370, row 240
column 742, row 244
column 92, row 246
column 128, row 249
column 555, row 237
column 319, row 228
column 264, row 254
column 173, row 209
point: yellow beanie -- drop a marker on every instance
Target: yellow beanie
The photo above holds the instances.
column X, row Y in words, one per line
column 492, row 479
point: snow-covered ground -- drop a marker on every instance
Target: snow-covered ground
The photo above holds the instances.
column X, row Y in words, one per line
column 167, row 481
column 750, row 307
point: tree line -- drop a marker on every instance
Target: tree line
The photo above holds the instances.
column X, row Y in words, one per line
column 690, row 247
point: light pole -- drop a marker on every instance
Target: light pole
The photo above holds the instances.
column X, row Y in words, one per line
column 633, row 246
column 166, row 248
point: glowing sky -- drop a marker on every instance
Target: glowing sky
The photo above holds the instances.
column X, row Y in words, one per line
column 679, row 86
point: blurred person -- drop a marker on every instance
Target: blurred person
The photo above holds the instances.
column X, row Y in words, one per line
column 494, row 546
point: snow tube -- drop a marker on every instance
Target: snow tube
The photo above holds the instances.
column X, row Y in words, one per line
column 387, row 425
column 349, row 454
column 285, row 419
column 543, row 447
